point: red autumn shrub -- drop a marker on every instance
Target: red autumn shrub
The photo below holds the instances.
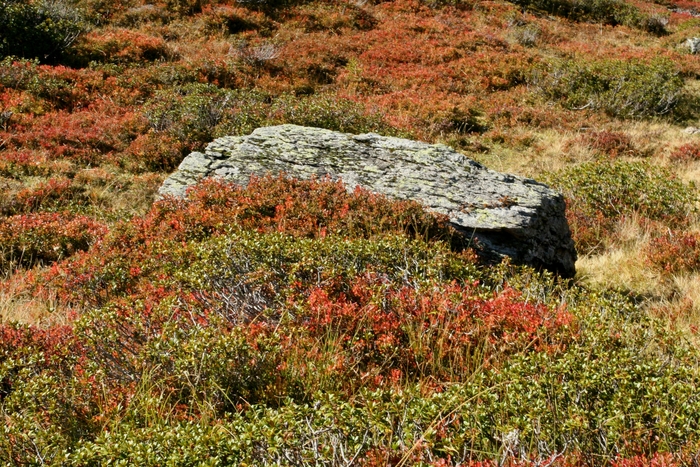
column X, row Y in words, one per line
column 45, row 237
column 656, row 460
column 16, row 163
column 296, row 207
column 87, row 136
column 234, row 19
column 50, row 343
column 675, row 251
column 442, row 332
column 66, row 88
column 690, row 6
column 123, row 46
column 154, row 151
column 686, row 153
column 609, row 143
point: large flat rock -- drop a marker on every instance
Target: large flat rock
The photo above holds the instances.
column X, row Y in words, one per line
column 508, row 215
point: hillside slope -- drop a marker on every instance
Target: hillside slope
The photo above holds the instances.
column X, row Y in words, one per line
column 293, row 323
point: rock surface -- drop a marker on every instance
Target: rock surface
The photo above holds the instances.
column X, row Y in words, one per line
column 508, row 215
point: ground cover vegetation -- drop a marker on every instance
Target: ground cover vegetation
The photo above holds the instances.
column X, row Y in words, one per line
column 295, row 323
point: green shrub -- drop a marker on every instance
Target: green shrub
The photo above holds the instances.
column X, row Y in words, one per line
column 17, row 73
column 461, row 4
column 199, row 111
column 620, row 88
column 37, row 29
column 194, row 114
column 243, row 258
column 189, row 112
column 326, row 111
column 459, row 121
column 613, row 12
column 43, row 238
column 601, row 193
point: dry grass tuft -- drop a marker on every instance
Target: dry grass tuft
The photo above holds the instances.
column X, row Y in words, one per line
column 623, row 265
column 16, row 305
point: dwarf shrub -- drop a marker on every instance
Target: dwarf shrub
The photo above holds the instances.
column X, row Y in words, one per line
column 290, row 322
column 325, row 111
column 601, row 193
column 196, row 113
column 630, row 390
column 146, row 247
column 45, row 237
column 613, row 12
column 38, row 29
column 620, row 188
column 250, row 109
column 247, row 259
column 17, row 73
column 59, row 86
column 675, row 252
column 56, row 194
column 121, row 46
column 686, row 153
column 190, row 112
column 620, row 88
column 609, row 143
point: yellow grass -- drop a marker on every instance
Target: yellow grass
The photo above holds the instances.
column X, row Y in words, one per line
column 16, row 305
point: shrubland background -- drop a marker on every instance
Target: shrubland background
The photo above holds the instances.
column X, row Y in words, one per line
column 293, row 323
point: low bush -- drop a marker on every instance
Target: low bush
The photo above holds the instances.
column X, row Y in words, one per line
column 459, row 121
column 599, row 194
column 686, row 153
column 193, row 114
column 462, row 4
column 55, row 87
column 325, row 111
column 189, row 370
column 43, row 238
column 292, row 322
column 38, row 29
column 300, row 208
column 230, row 19
column 102, row 12
column 141, row 14
column 196, row 111
column 620, row 88
column 20, row 163
column 155, row 152
column 675, row 252
column 609, row 143
column 121, row 46
column 613, row 12
column 87, row 137
column 17, row 73
column 190, row 112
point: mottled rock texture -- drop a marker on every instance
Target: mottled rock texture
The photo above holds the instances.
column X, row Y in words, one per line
column 508, row 215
